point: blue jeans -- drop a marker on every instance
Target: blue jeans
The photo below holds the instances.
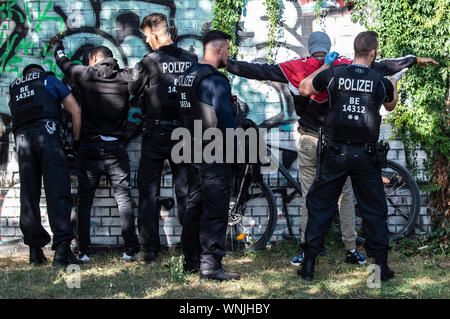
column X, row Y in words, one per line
column 95, row 160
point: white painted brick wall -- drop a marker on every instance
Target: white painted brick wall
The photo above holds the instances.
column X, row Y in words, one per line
column 190, row 16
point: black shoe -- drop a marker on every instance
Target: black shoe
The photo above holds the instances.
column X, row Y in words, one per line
column 218, row 274
column 64, row 256
column 37, row 256
column 144, row 257
column 307, row 270
column 386, row 272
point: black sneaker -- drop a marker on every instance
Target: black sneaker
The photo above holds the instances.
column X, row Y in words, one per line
column 218, row 274
column 354, row 258
column 144, row 257
column 37, row 256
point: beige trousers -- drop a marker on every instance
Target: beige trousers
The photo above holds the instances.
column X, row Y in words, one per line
column 307, row 159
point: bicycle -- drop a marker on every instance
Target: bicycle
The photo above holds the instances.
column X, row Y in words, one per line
column 253, row 231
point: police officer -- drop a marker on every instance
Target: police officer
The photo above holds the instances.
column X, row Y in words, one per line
column 312, row 112
column 352, row 127
column 36, row 115
column 104, row 94
column 157, row 73
column 206, row 96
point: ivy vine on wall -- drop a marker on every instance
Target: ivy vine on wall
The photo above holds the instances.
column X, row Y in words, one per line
column 274, row 32
column 227, row 14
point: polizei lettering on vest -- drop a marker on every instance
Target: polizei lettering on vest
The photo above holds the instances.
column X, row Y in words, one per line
column 185, row 80
column 175, row 67
column 26, row 78
column 356, row 85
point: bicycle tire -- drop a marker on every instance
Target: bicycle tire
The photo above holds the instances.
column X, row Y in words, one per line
column 257, row 205
column 403, row 201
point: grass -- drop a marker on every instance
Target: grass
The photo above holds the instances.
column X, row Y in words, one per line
column 265, row 274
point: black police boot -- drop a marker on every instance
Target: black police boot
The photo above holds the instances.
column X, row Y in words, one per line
column 307, row 270
column 64, row 256
column 37, row 256
column 191, row 267
column 386, row 272
column 218, row 274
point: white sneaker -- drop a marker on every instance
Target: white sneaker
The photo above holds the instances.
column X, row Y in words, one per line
column 85, row 258
column 126, row 257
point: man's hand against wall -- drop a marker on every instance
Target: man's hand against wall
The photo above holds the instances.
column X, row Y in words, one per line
column 56, row 42
column 425, row 61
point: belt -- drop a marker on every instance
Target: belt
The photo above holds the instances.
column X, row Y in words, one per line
column 158, row 122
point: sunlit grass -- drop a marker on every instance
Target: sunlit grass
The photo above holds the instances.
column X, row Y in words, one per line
column 265, row 274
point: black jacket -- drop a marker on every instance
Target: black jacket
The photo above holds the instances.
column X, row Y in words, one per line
column 104, row 95
column 156, row 75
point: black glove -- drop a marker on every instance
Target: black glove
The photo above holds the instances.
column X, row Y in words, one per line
column 58, row 45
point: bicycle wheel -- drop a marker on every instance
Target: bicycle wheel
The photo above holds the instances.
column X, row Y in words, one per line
column 252, row 220
column 403, row 202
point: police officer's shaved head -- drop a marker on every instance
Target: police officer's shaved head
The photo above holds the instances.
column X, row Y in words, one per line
column 216, row 45
column 215, row 36
column 102, row 52
column 365, row 42
column 157, row 22
column 32, row 68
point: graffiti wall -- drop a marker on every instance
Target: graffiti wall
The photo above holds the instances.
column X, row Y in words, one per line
column 26, row 26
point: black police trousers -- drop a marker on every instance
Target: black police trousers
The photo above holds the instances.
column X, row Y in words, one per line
column 339, row 161
column 206, row 217
column 96, row 159
column 40, row 156
column 156, row 148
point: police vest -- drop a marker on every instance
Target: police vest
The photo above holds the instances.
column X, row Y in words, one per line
column 191, row 107
column 354, row 115
column 30, row 100
column 160, row 97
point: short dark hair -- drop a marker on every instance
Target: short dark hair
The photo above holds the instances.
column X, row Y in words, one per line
column 365, row 42
column 214, row 35
column 102, row 51
column 32, row 68
column 154, row 20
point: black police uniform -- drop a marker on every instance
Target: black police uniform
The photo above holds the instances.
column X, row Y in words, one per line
column 158, row 72
column 35, row 119
column 352, row 126
column 104, row 94
column 206, row 217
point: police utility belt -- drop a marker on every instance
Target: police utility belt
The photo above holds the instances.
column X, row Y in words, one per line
column 379, row 149
column 149, row 123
